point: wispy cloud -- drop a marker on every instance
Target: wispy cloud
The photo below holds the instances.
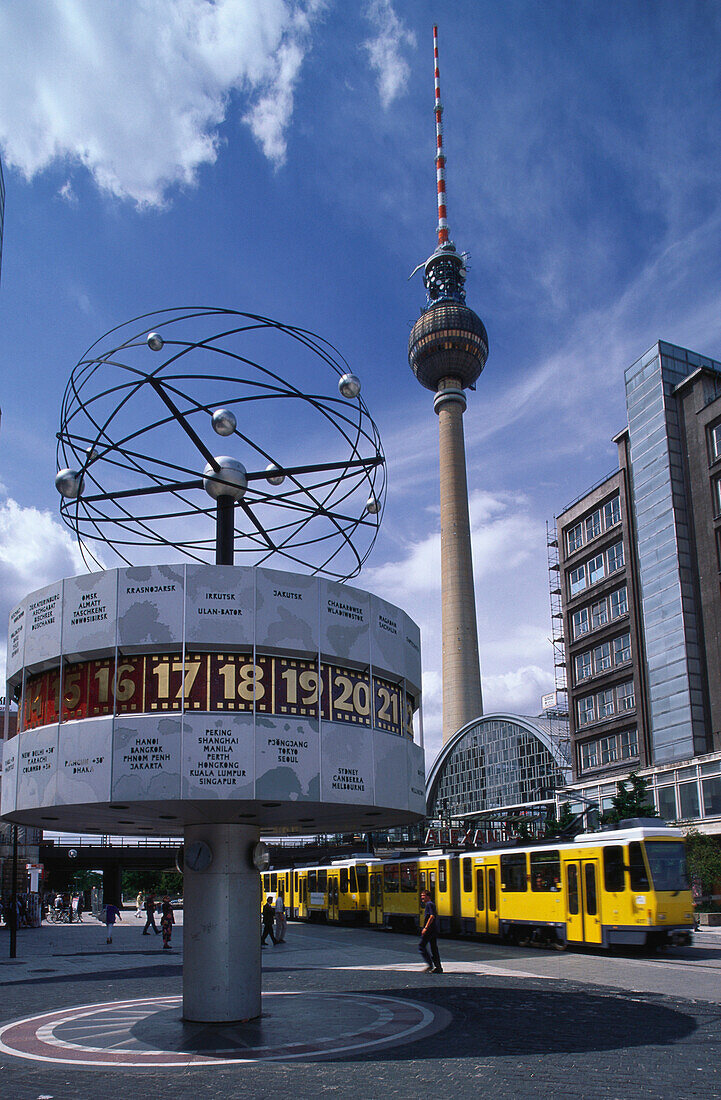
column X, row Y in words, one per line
column 511, row 600
column 385, row 48
column 136, row 92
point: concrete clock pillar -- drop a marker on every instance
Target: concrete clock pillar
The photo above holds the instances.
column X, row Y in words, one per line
column 221, row 924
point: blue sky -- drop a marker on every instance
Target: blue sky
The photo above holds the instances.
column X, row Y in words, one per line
column 277, row 157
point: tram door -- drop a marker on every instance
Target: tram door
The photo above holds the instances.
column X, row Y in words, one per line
column 376, row 898
column 583, row 918
column 332, row 897
column 486, row 901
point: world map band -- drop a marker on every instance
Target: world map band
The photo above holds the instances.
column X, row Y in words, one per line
column 212, row 682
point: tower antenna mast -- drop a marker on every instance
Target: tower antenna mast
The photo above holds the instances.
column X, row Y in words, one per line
column 447, row 351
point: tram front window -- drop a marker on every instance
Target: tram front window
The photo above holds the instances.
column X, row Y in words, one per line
column 667, row 863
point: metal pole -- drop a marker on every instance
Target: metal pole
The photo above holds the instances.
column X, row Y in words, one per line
column 225, row 531
column 14, row 899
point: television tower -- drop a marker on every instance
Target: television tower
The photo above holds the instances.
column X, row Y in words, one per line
column 447, row 351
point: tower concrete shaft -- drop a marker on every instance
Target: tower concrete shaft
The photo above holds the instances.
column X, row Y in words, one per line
column 462, row 696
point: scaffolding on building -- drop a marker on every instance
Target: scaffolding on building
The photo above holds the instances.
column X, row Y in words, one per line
column 557, row 710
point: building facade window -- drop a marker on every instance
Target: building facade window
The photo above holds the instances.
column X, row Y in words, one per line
column 583, row 667
column 586, row 710
column 605, row 703
column 574, row 538
column 608, row 750
column 619, row 602
column 715, row 442
column 626, row 696
column 596, row 569
column 622, row 649
column 580, row 622
column 599, row 614
column 593, row 525
column 611, row 513
column 602, row 658
column 600, row 520
column 615, row 557
column 577, row 580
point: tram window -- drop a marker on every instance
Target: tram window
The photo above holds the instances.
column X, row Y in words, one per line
column 590, row 877
column 344, row 880
column 304, row 884
column 479, row 888
column 572, row 889
column 545, row 870
column 492, row 889
column 467, row 865
column 266, row 883
column 422, row 877
column 639, row 875
column 667, row 860
column 390, row 878
column 362, row 873
column 312, row 881
column 443, row 876
column 274, row 880
column 613, row 878
column 513, row 872
column 322, row 880
column 409, row 878
column 353, row 880
column 295, row 880
column 432, row 884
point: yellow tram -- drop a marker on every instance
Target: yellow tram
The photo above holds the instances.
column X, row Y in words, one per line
column 628, row 885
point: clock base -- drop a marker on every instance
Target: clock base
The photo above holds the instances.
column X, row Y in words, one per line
column 221, row 943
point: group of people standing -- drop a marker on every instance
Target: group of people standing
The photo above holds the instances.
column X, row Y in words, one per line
column 148, row 905
column 274, row 915
column 167, row 918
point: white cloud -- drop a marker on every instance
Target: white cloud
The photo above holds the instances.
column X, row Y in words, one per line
column 384, row 50
column 35, row 550
column 136, row 91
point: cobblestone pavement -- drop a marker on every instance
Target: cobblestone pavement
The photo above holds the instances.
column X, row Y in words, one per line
column 508, row 1022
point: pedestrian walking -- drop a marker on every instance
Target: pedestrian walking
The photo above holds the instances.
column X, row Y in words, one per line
column 428, row 946
column 268, row 918
column 150, row 914
column 112, row 913
column 139, row 904
column 280, row 919
column 80, row 908
column 167, row 920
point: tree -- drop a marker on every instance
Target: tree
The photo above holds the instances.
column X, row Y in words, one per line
column 633, row 801
column 555, row 825
column 703, row 856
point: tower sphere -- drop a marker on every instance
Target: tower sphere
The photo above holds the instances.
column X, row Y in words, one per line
column 448, row 340
column 230, row 480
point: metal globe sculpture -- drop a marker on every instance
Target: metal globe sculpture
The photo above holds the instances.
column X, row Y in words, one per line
column 138, row 463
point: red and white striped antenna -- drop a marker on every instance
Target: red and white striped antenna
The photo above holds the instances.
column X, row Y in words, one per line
column 440, row 158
